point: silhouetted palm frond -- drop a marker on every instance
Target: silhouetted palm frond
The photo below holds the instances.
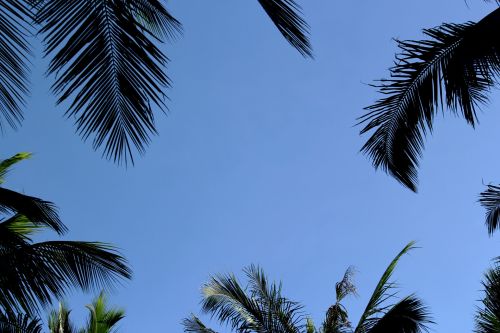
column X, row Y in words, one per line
column 381, row 294
column 488, row 317
column 337, row 318
column 490, row 199
column 194, row 325
column 106, row 61
column 19, row 323
column 15, row 27
column 286, row 15
column 406, row 316
column 455, row 68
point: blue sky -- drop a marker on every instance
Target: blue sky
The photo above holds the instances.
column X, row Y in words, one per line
column 257, row 162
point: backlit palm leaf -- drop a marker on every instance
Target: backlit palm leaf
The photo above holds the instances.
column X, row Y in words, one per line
column 286, row 15
column 490, row 199
column 15, row 29
column 454, row 68
column 106, row 61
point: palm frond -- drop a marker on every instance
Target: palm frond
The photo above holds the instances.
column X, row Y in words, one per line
column 7, row 163
column 15, row 25
column 105, row 60
column 286, row 16
column 102, row 318
column 490, row 200
column 34, row 274
column 407, row 316
column 455, row 68
column 19, row 323
column 487, row 319
column 381, row 293
column 38, row 211
column 194, row 325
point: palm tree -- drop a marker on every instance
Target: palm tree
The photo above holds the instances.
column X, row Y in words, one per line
column 34, row 273
column 107, row 62
column 487, row 319
column 263, row 309
column 102, row 319
column 454, row 69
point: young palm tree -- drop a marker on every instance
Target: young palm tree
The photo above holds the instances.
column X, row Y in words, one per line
column 102, row 319
column 263, row 309
column 107, row 62
column 454, row 69
column 34, row 273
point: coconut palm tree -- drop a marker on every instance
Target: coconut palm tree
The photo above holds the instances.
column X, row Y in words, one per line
column 35, row 273
column 453, row 69
column 102, row 318
column 262, row 308
column 107, row 62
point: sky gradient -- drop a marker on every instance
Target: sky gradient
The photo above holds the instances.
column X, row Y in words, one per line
column 258, row 161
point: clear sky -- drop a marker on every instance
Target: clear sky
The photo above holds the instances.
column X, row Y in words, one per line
column 258, row 162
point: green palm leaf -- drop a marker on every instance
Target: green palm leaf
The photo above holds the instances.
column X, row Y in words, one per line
column 59, row 321
column 454, row 68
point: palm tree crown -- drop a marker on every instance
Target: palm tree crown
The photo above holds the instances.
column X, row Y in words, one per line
column 262, row 308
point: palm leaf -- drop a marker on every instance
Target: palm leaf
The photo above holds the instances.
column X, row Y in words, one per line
column 105, row 59
column 7, row 163
column 286, row 15
column 194, row 325
column 381, row 293
column 15, row 28
column 59, row 321
column 34, row 274
column 490, row 200
column 337, row 319
column 407, row 316
column 102, row 318
column 487, row 319
column 19, row 323
column 455, row 68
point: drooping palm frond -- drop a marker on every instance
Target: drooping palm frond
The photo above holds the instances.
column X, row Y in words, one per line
column 194, row 325
column 407, row 316
column 59, row 321
column 36, row 210
column 19, row 323
column 264, row 310
column 15, row 28
column 454, row 68
column 487, row 319
column 286, row 15
column 490, row 200
column 34, row 274
column 106, row 61
column 381, row 294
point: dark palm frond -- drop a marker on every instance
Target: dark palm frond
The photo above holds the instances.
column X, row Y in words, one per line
column 381, row 293
column 38, row 211
column 490, row 200
column 407, row 316
column 194, row 325
column 286, row 15
column 105, row 59
column 19, row 323
column 59, row 321
column 34, row 274
column 283, row 315
column 455, row 68
column 487, row 319
column 15, row 25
